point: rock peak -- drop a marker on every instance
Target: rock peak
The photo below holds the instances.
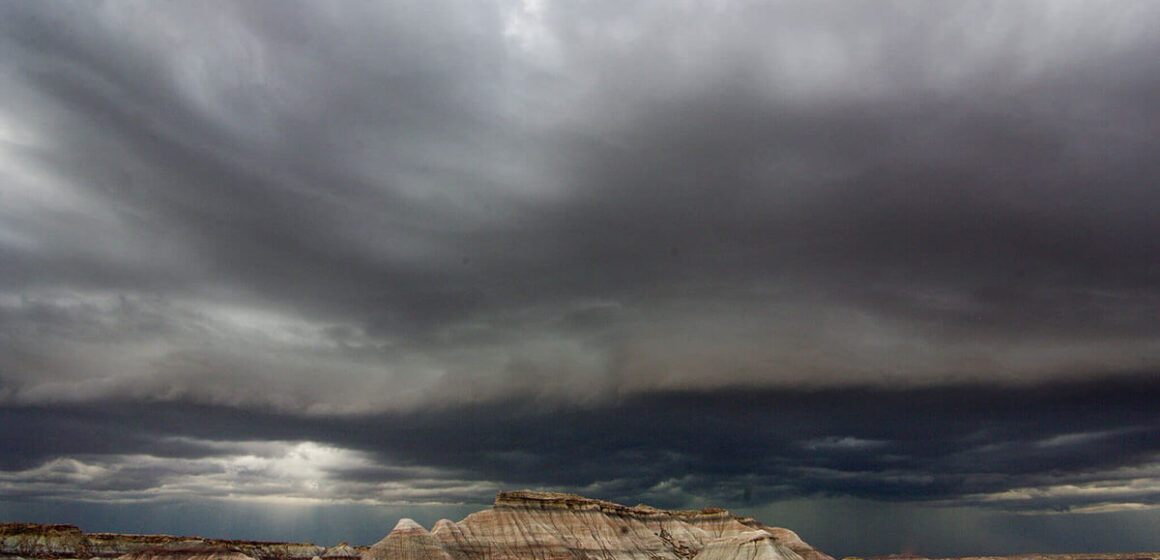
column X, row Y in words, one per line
column 407, row 524
column 442, row 525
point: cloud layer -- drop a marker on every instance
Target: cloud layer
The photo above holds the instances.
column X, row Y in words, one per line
column 967, row 454
column 232, row 203
column 1059, row 448
column 700, row 253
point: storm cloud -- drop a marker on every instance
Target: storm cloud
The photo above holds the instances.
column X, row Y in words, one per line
column 705, row 253
column 1084, row 448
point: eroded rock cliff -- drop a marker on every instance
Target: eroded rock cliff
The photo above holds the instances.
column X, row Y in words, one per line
column 520, row 526
column 751, row 545
column 549, row 526
column 408, row 541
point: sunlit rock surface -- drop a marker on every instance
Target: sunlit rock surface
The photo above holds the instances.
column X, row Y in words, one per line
column 551, row 526
column 752, row 545
column 408, row 541
column 792, row 541
column 342, row 550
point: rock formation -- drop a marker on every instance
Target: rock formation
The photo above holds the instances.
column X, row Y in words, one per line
column 752, row 545
column 109, row 545
column 520, row 526
column 341, row 552
column 29, row 540
column 552, row 526
column 408, row 541
column 792, row 541
column 203, row 552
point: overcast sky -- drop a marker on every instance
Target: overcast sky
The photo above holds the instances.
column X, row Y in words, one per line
column 292, row 270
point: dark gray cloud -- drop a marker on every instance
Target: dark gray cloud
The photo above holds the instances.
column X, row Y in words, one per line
column 1085, row 448
column 880, row 251
column 966, row 443
column 597, row 199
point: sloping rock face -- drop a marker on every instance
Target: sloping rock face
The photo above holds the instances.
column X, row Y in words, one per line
column 752, row 545
column 550, row 526
column 342, row 551
column 792, row 541
column 408, row 541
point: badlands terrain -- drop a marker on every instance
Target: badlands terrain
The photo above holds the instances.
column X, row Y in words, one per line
column 520, row 526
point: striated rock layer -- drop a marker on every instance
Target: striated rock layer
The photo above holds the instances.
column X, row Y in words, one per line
column 551, row 526
column 30, row 540
column 342, row 551
column 752, row 545
column 408, row 541
column 205, row 552
column 520, row 526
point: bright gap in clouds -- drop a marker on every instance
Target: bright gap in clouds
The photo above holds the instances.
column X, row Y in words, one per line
column 256, row 472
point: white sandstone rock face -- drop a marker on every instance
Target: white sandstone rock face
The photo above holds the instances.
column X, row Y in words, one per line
column 551, row 526
column 343, row 550
column 408, row 541
column 752, row 545
column 795, row 543
column 452, row 538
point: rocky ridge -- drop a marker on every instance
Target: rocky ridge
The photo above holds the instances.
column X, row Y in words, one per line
column 520, row 526
column 194, row 553
column 30, row 540
column 551, row 526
